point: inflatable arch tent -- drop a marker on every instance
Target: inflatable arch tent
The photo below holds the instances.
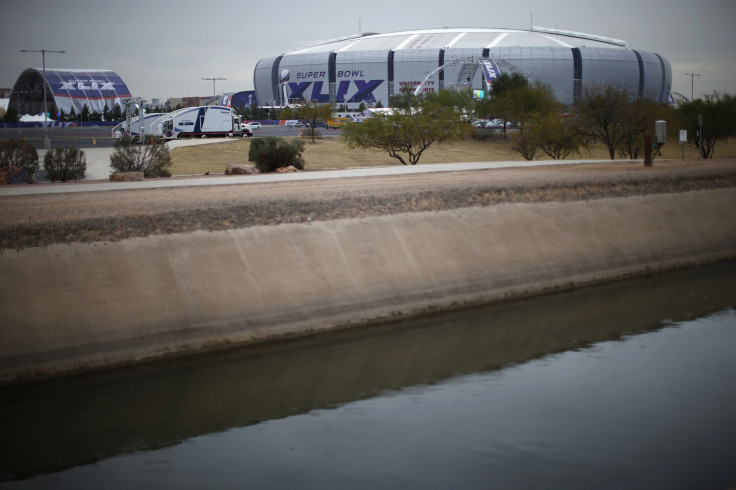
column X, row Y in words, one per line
column 67, row 88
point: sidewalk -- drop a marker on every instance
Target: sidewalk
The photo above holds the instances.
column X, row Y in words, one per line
column 106, row 185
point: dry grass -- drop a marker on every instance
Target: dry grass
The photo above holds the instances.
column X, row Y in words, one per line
column 331, row 153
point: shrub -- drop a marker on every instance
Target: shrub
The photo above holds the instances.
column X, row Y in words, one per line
column 270, row 153
column 526, row 143
column 23, row 156
column 152, row 158
column 62, row 164
column 557, row 136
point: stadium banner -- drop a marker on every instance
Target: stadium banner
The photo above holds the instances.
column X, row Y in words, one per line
column 490, row 70
column 74, row 88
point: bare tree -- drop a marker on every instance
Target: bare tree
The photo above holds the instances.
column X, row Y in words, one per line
column 406, row 133
column 718, row 121
column 603, row 114
column 311, row 112
column 556, row 136
column 524, row 106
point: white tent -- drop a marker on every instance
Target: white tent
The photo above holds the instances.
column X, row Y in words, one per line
column 32, row 118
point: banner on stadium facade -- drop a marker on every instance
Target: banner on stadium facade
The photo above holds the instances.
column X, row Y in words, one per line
column 490, row 70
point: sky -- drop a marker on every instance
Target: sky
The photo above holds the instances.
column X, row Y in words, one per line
column 165, row 49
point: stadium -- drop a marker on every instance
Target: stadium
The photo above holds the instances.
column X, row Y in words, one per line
column 371, row 68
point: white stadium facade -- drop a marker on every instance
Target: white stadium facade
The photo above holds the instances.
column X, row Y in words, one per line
column 373, row 67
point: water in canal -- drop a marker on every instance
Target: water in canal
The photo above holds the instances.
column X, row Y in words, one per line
column 627, row 385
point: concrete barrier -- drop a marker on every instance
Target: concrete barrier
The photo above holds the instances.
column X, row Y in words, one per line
column 78, row 306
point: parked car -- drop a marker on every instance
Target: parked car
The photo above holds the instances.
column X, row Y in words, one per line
column 482, row 124
column 318, row 124
column 255, row 126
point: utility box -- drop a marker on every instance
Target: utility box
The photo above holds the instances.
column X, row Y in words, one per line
column 660, row 131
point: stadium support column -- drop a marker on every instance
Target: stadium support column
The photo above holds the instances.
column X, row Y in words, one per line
column 642, row 74
column 440, row 63
column 332, row 79
column 577, row 77
column 663, row 92
column 390, row 63
column 275, row 82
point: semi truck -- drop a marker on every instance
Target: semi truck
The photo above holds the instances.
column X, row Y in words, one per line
column 132, row 128
column 201, row 122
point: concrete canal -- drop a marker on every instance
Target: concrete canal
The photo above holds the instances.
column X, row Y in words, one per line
column 624, row 385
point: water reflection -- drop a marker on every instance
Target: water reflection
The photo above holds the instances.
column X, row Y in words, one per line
column 275, row 393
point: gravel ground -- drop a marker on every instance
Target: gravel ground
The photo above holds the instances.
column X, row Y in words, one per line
column 31, row 221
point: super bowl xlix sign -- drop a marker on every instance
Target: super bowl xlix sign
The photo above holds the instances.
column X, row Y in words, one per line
column 308, row 84
column 82, row 85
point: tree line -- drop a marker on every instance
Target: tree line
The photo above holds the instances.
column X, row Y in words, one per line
column 605, row 114
column 107, row 114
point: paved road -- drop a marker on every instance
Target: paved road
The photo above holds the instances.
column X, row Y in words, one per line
column 60, row 137
column 101, row 136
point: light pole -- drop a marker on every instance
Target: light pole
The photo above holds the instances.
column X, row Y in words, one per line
column 214, row 93
column 692, row 84
column 46, row 142
column 18, row 104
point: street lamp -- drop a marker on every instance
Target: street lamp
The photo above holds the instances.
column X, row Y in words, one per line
column 692, row 84
column 214, row 93
column 46, row 142
column 17, row 94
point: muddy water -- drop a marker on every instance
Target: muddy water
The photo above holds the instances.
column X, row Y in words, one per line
column 627, row 385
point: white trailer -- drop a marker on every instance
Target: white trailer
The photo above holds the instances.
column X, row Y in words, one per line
column 201, row 121
column 133, row 128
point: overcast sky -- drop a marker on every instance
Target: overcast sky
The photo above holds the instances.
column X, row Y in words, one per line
column 164, row 49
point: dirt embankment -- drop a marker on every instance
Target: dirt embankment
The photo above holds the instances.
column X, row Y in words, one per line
column 345, row 252
column 32, row 221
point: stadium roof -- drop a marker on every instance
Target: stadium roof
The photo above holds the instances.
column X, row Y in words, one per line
column 463, row 38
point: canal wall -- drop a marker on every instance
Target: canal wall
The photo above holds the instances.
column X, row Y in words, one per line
column 69, row 307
